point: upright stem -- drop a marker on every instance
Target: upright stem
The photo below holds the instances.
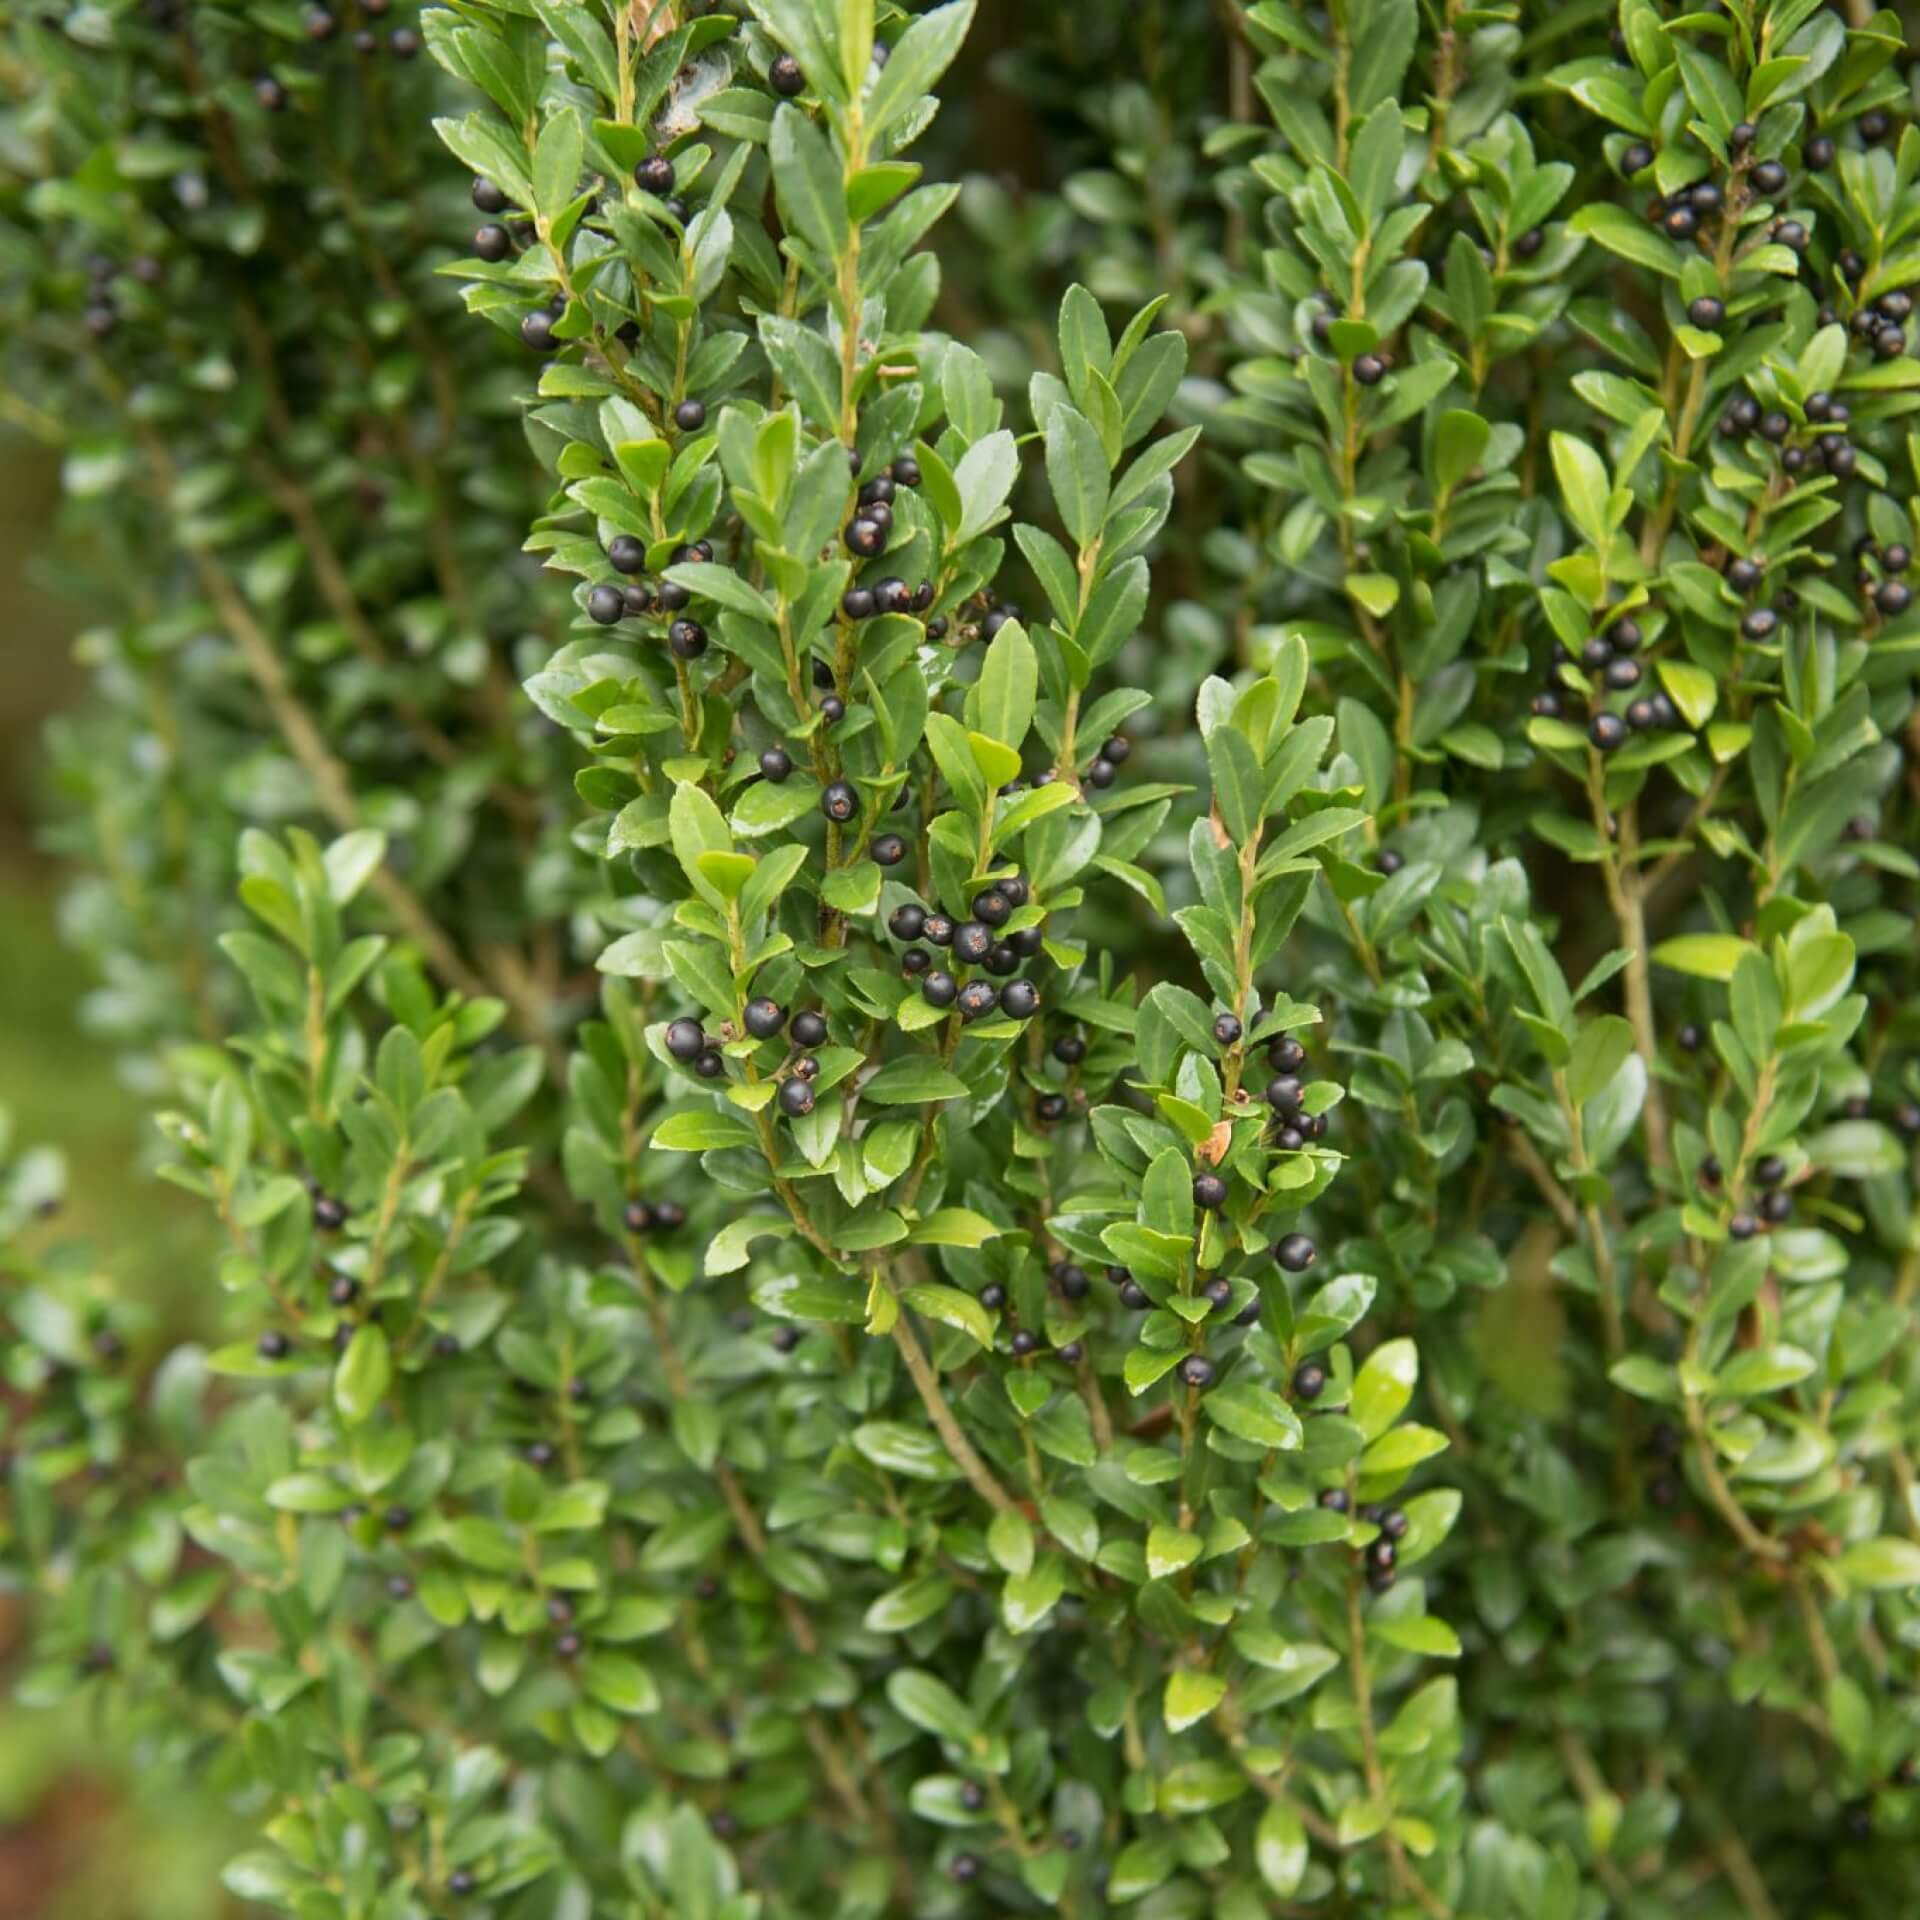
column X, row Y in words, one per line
column 927, row 1382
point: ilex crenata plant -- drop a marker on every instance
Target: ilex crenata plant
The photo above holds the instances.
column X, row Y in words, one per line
column 1115, row 1110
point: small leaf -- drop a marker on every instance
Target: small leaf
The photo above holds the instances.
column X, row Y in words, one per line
column 1190, row 1697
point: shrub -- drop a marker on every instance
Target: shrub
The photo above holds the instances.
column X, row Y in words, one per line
column 1281, row 1292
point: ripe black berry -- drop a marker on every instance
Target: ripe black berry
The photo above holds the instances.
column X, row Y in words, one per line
column 915, row 960
column 487, row 197
column 775, row 764
column 992, row 906
column 1019, row 999
column 1050, row 1107
column 1024, row 1343
column 888, row 849
column 1818, row 153
column 939, row 989
column 492, row 243
column 1707, row 312
column 1530, row 242
column 685, row 1041
column 1769, row 177
column 1286, row 1054
column 858, row 603
column 977, row 999
column 1775, row 1208
column 785, row 77
column 907, row 921
column 1606, row 731
column 1760, row 623
column 1197, row 1370
column 1369, row 369
column 833, row 709
column 1622, row 674
column 1636, row 158
column 972, row 942
column 654, row 175
column 765, row 1018
column 1740, row 135
column 839, row 802
column 273, row 1345
column 796, row 1098
column 711, row 1064
column 1134, row 1297
column 1070, row 1049
column 625, row 554
column 1744, row 575
column 1227, row 1030
column 460, row 1881
column 1389, row 861
column 938, row 928
column 865, row 537
column 329, row 1214
column 1743, row 1226
column 690, row 416
column 1309, row 1380
column 536, row 330
column 1681, row 223
column 1283, row 1093
column 1334, row 1499
column 1102, row 774
column 1209, row 1191
column 1296, row 1253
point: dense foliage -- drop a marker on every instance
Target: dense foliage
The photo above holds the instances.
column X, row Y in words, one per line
column 1121, row 1113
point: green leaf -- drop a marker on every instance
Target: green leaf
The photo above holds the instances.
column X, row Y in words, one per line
column 985, row 477
column 1254, row 1413
column 1010, row 1541
column 1459, row 440
column 954, row 1227
column 619, row 1682
column 1190, row 1696
column 364, row 1373
column 951, row 1308
column 1583, row 485
column 1416, row 1633
column 1598, row 1049
column 1077, row 473
column 931, row 1705
column 911, row 1080
column 918, row 59
column 1008, row 686
column 1383, row 1387
column 1693, row 690
column 1280, row 1849
column 701, row 1129
column 1706, row 956
column 556, row 163
column 1886, row 1562
column 806, row 179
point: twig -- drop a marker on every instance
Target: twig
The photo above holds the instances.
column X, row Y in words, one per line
column 920, row 1370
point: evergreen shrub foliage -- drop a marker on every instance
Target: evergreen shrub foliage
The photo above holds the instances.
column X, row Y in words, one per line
column 1114, row 1107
